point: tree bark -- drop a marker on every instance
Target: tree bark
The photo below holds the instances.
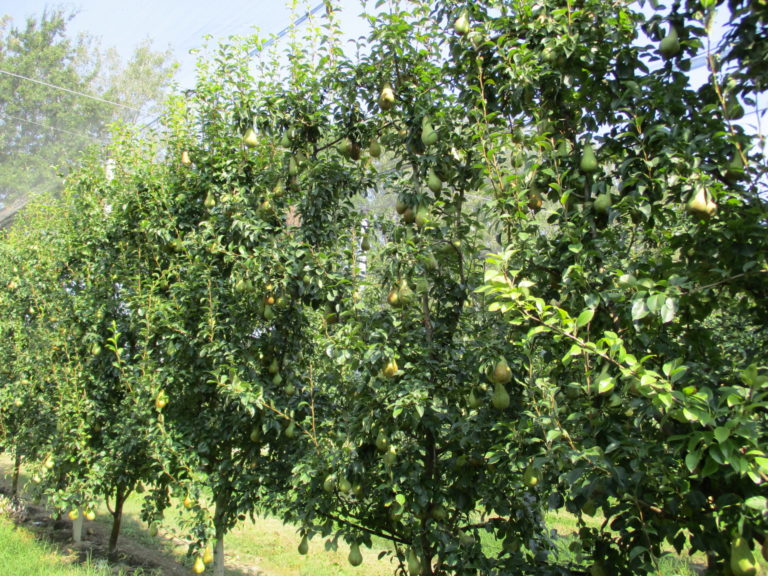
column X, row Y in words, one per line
column 16, row 475
column 219, row 524
column 117, row 517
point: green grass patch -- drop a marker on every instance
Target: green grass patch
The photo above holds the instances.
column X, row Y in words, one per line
column 22, row 555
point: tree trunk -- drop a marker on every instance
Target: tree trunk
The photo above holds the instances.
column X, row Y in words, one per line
column 218, row 555
column 16, row 474
column 219, row 524
column 77, row 527
column 117, row 516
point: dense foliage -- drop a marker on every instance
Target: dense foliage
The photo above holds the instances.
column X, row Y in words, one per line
column 504, row 259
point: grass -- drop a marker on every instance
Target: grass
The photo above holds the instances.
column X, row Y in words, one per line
column 266, row 545
column 22, row 555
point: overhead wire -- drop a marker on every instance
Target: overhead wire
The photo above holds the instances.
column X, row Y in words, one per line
column 75, row 92
column 55, row 129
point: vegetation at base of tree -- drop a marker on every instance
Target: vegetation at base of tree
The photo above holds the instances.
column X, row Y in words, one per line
column 573, row 319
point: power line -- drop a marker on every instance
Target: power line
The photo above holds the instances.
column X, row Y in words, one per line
column 50, row 127
column 269, row 42
column 287, row 29
column 70, row 91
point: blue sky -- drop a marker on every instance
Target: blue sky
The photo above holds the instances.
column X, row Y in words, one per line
column 176, row 24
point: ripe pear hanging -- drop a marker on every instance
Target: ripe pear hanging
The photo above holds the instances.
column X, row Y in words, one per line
column 304, row 546
column 588, row 162
column 428, row 134
column 250, row 138
column 461, row 25
column 742, row 562
column 433, row 182
column 386, row 98
column 500, row 397
column 670, row 44
column 355, row 557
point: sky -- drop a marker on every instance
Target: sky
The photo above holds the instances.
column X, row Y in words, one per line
column 176, row 24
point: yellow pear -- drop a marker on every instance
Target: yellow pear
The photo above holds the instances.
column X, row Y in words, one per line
column 199, row 566
column 386, row 98
column 390, row 370
column 501, row 374
column 250, row 138
column 185, row 159
column 701, row 204
column 208, row 555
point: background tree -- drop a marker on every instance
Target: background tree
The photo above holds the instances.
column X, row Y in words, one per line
column 42, row 127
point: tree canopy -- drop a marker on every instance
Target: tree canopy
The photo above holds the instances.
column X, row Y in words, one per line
column 499, row 259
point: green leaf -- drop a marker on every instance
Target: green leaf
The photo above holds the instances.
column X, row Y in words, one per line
column 585, row 317
column 668, row 310
column 722, row 434
column 692, row 460
column 639, row 309
column 757, row 503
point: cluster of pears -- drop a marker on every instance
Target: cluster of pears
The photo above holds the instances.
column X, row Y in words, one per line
column 500, row 376
column 401, row 295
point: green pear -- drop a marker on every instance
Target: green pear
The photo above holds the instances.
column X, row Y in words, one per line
column 461, row 25
column 382, row 442
column 374, row 148
column 355, row 557
column 413, row 562
column 250, row 138
column 500, row 397
column 345, row 485
column 588, row 163
column 742, row 562
column 735, row 169
column 428, row 134
column 401, row 206
column 472, row 400
column 329, row 484
column 304, row 545
column 670, row 44
column 602, row 203
column 433, row 182
column 501, row 374
column 422, row 216
column 531, row 476
column 210, row 200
